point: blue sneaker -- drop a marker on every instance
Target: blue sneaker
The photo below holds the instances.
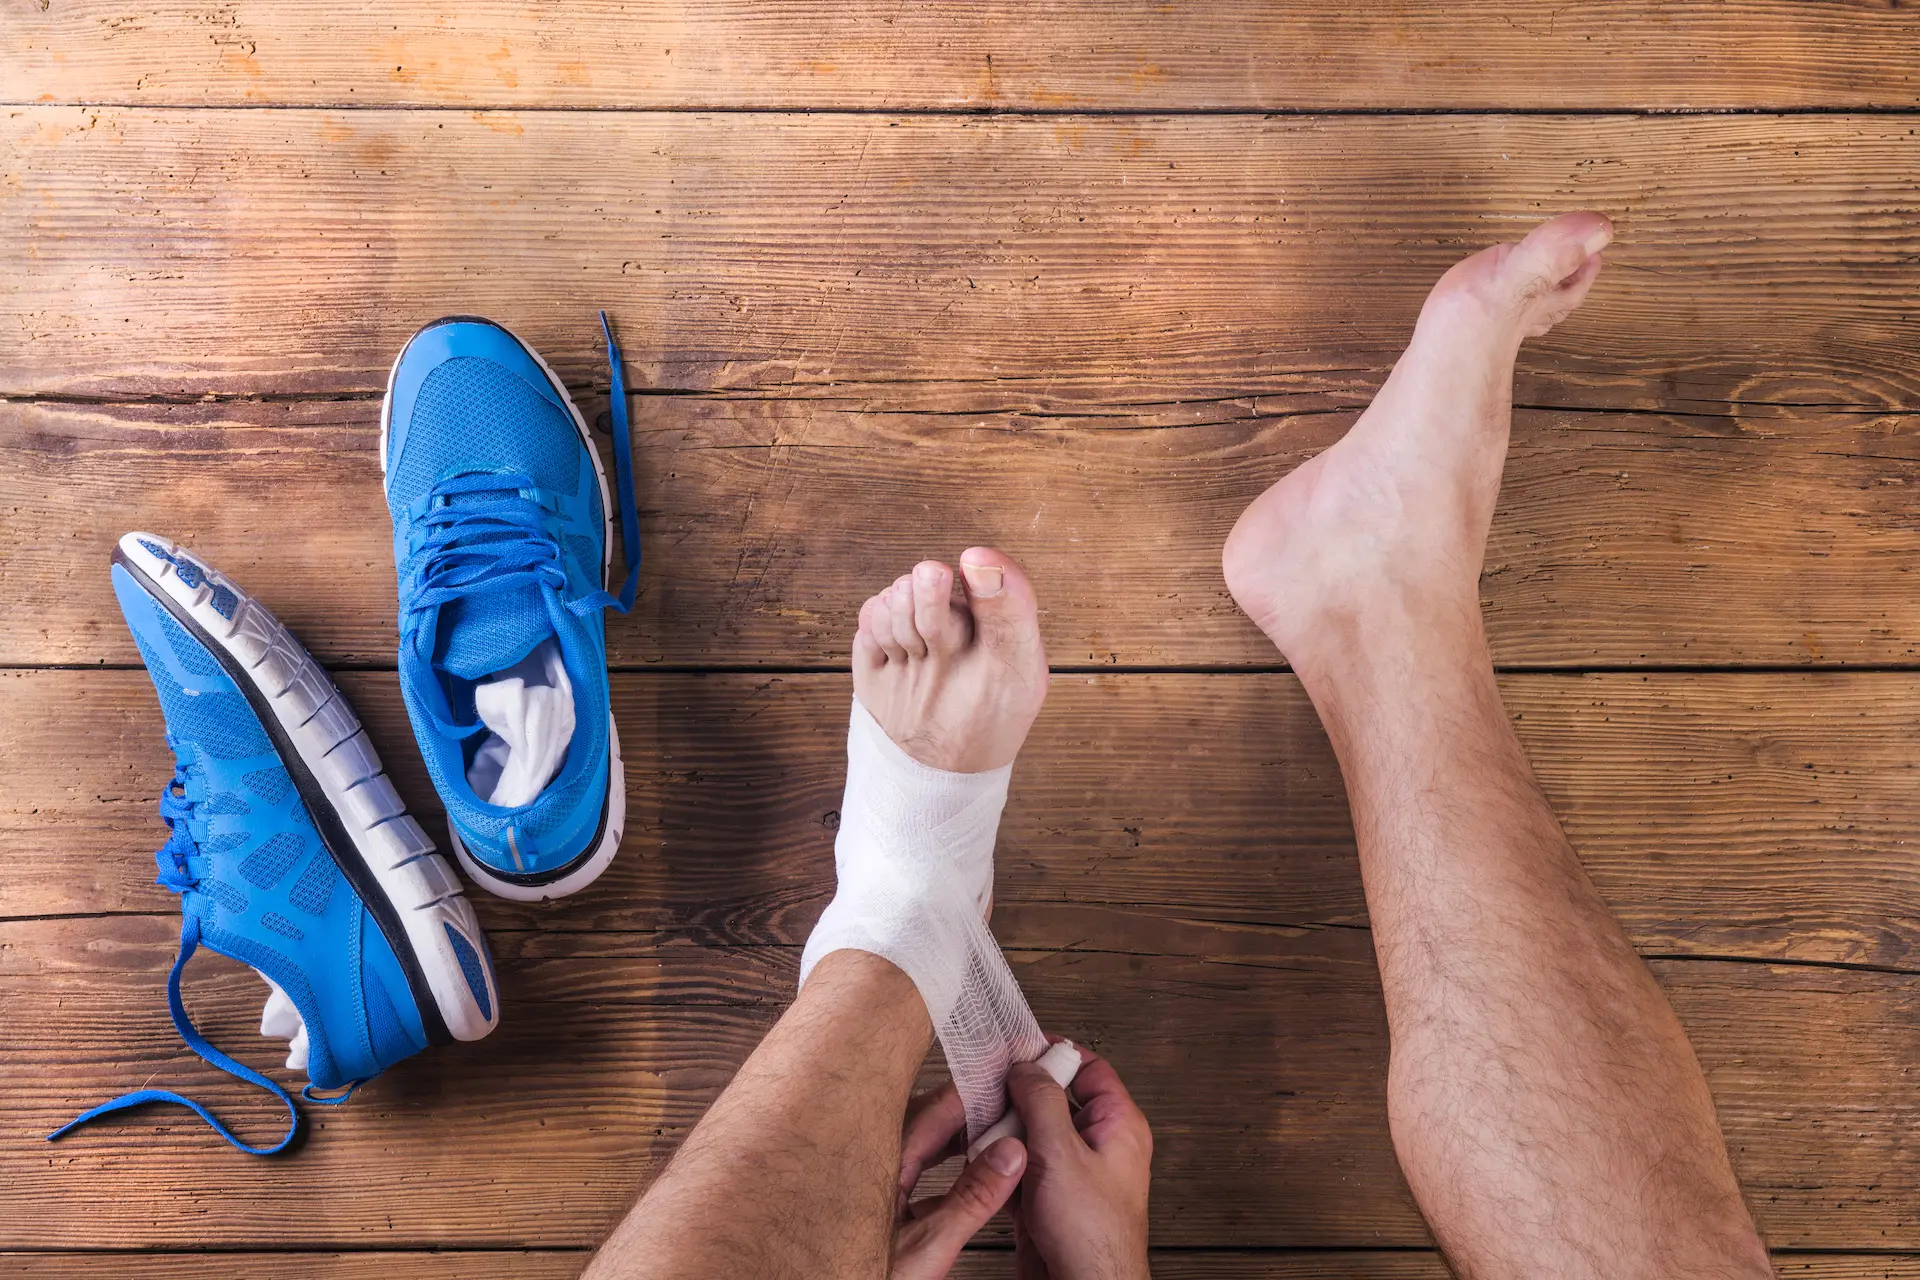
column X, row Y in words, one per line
column 290, row 850
column 502, row 543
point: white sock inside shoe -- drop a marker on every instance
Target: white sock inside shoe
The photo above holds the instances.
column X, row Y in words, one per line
column 282, row 1020
column 914, row 858
column 528, row 711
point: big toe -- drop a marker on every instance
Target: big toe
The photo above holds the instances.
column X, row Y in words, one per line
column 1560, row 254
column 1006, row 615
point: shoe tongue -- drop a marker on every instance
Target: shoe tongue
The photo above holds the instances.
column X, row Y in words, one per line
column 488, row 633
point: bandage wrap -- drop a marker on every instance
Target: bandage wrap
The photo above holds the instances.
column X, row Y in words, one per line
column 915, row 864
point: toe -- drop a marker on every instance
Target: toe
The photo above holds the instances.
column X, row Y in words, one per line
column 1005, row 614
column 1557, row 251
column 944, row 628
column 867, row 653
column 876, row 622
column 900, row 610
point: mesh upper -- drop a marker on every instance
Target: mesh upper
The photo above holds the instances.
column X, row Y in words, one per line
column 314, row 889
column 194, row 658
column 390, row 1039
column 267, row 865
column 473, row 415
column 270, row 785
column 220, row 724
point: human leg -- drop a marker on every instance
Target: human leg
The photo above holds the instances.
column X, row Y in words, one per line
column 1545, row 1104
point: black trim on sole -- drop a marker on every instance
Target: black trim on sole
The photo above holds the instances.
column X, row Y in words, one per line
column 326, row 819
column 539, row 879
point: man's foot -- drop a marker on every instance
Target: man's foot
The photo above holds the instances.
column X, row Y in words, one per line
column 1388, row 527
column 952, row 667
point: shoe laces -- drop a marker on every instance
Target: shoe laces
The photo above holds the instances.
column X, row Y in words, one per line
column 481, row 533
column 177, row 809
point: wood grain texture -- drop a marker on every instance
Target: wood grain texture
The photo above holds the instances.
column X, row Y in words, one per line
column 975, row 1264
column 1076, row 54
column 1621, row 539
column 1024, row 260
column 514, row 1264
column 1262, row 1070
column 1757, row 816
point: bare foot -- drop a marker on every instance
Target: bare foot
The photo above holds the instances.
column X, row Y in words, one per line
column 1385, row 531
column 953, row 669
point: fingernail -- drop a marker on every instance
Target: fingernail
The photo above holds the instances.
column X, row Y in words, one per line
column 983, row 580
column 1006, row 1156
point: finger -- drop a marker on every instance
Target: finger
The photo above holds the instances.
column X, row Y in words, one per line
column 1106, row 1108
column 927, row 1246
column 1096, row 1079
column 1042, row 1105
column 936, row 1131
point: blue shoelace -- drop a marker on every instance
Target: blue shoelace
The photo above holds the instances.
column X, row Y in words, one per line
column 479, row 534
column 176, row 874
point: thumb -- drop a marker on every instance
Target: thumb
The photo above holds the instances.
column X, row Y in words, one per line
column 1042, row 1105
column 927, row 1246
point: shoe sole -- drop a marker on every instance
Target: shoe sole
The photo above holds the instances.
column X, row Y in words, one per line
column 408, row 888
column 586, row 868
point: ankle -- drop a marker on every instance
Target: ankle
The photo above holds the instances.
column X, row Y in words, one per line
column 1391, row 651
column 1391, row 628
column 872, row 991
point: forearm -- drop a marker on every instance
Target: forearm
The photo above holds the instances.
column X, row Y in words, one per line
column 793, row 1171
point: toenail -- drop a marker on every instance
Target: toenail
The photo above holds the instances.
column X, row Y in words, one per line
column 984, row 580
column 927, row 573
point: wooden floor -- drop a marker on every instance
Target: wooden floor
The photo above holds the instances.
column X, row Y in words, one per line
column 1077, row 279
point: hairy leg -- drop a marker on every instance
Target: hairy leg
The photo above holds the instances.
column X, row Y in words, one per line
column 1544, row 1101
column 794, row 1171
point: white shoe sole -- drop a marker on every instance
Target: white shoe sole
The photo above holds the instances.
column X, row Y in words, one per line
column 343, row 787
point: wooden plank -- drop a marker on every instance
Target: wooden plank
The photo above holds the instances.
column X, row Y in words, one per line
column 975, row 1264
column 1077, row 54
column 1068, row 259
column 510, row 1264
column 1263, row 1073
column 1621, row 539
column 1768, row 816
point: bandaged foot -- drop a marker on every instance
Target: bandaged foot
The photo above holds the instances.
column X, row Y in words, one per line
column 948, row 676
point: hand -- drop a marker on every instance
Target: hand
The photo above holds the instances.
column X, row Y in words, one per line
column 1081, row 1213
column 929, row 1234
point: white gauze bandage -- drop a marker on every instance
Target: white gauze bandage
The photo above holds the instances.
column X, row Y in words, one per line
column 915, row 863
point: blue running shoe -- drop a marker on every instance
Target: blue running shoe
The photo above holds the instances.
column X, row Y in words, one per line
column 290, row 850
column 502, row 543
